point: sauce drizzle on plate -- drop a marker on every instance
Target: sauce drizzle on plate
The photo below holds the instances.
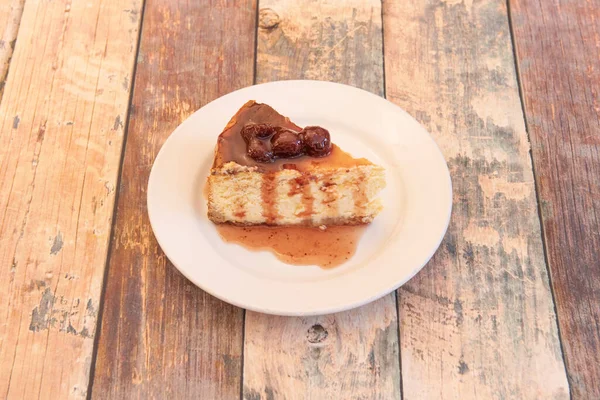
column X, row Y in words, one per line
column 298, row 245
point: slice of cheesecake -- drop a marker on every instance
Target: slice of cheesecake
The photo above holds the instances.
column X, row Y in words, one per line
column 269, row 171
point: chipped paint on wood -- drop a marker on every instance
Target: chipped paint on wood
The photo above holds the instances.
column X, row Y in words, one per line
column 503, row 186
column 162, row 337
column 118, row 123
column 481, row 234
column 352, row 354
column 49, row 173
column 60, row 314
column 39, row 315
column 478, row 321
column 57, row 244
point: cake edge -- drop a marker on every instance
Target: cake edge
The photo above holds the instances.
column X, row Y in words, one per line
column 232, row 168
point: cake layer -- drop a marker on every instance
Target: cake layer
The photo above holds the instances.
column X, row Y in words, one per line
column 323, row 196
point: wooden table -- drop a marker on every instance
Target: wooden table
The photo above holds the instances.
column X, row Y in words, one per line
column 509, row 307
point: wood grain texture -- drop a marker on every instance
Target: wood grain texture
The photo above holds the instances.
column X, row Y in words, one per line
column 161, row 337
column 478, row 321
column 346, row 355
column 10, row 19
column 558, row 47
column 59, row 159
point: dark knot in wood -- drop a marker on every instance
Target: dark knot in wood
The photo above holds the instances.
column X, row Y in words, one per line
column 317, row 334
column 268, row 19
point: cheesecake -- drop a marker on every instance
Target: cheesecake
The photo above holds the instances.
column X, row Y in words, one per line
column 269, row 171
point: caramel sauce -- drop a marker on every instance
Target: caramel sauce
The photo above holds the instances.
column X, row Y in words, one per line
column 360, row 198
column 232, row 147
column 296, row 186
column 268, row 197
column 240, row 214
column 329, row 197
column 308, row 201
column 298, row 245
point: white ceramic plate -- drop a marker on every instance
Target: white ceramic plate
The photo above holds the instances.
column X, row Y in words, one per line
column 417, row 201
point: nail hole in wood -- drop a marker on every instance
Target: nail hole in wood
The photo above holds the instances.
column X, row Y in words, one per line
column 317, row 334
column 268, row 19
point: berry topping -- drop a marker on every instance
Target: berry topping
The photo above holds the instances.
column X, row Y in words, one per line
column 317, row 142
column 260, row 151
column 286, row 144
column 260, row 131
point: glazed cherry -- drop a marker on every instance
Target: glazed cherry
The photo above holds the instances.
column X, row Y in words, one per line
column 317, row 142
column 286, row 144
column 260, row 131
column 260, row 151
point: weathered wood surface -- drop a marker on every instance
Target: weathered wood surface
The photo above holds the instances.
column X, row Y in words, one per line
column 10, row 18
column 161, row 337
column 351, row 354
column 60, row 147
column 558, row 47
column 478, row 321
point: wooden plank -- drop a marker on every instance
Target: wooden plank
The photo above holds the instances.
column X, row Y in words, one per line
column 557, row 45
column 162, row 337
column 478, row 321
column 59, row 158
column 345, row 355
column 10, row 18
